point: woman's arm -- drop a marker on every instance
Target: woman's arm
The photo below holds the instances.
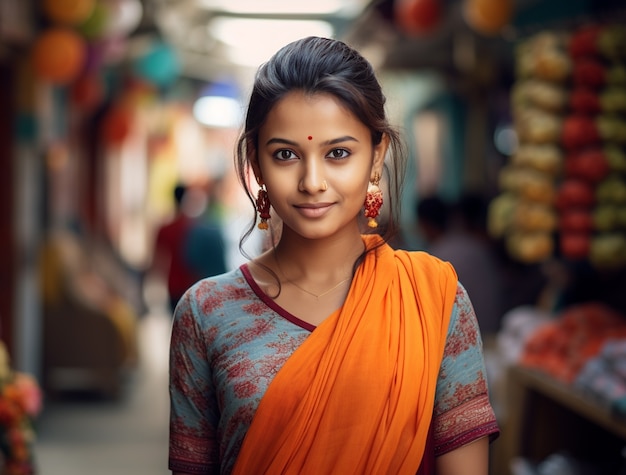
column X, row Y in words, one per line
column 470, row 459
column 463, row 416
column 192, row 435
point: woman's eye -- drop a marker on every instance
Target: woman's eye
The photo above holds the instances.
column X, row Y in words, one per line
column 285, row 155
column 338, row 153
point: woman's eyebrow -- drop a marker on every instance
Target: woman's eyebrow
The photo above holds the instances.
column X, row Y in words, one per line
column 278, row 140
column 345, row 138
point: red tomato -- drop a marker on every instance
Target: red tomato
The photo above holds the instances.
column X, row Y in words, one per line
column 574, row 193
column 589, row 72
column 583, row 42
column 575, row 220
column 584, row 101
column 589, row 165
column 579, row 131
column 575, row 245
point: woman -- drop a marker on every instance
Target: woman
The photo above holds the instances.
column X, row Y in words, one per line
column 330, row 352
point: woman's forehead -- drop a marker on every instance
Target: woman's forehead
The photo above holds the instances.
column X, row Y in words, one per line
column 320, row 111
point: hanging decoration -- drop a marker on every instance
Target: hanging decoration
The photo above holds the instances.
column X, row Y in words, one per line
column 123, row 17
column 95, row 26
column 59, row 55
column 88, row 91
column 116, row 125
column 488, row 17
column 418, row 17
column 68, row 12
column 139, row 93
column 108, row 50
column 94, row 59
column 158, row 64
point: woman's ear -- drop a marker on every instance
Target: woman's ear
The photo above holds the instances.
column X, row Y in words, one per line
column 380, row 152
column 253, row 160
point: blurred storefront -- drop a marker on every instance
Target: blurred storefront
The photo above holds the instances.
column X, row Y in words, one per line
column 96, row 131
column 97, row 125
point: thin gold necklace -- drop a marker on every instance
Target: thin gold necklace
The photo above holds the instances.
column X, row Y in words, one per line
column 317, row 296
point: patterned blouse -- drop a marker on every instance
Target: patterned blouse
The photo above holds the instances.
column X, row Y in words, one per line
column 228, row 341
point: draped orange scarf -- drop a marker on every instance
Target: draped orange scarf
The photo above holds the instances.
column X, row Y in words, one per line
column 357, row 396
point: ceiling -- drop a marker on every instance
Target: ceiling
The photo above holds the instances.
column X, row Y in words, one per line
column 214, row 39
column 209, row 49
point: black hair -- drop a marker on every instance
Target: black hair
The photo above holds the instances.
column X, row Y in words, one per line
column 179, row 193
column 317, row 65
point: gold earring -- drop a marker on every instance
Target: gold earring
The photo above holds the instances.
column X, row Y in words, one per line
column 263, row 207
column 373, row 201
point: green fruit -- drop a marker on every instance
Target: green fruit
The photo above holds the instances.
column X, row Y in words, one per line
column 612, row 190
column 616, row 158
column 605, row 218
column 608, row 250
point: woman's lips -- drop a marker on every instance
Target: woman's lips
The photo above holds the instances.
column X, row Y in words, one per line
column 313, row 210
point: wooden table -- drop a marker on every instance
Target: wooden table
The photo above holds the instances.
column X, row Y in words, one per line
column 544, row 416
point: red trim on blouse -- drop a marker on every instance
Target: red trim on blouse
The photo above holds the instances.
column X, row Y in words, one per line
column 267, row 300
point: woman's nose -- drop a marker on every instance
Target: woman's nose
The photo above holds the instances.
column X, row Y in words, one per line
column 313, row 179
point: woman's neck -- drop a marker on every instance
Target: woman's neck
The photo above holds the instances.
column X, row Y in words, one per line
column 320, row 260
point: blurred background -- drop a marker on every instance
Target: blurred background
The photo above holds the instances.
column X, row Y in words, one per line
column 118, row 120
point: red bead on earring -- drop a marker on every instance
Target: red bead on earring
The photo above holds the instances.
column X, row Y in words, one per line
column 263, row 207
column 373, row 201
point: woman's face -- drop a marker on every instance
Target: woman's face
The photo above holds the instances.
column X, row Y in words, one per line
column 316, row 159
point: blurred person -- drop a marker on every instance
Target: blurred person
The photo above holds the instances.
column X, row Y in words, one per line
column 169, row 258
column 457, row 233
column 204, row 246
column 330, row 352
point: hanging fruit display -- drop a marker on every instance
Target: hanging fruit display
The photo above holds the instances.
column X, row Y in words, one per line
column 594, row 138
column 524, row 215
column 569, row 111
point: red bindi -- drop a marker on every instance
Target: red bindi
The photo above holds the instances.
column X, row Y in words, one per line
column 310, row 137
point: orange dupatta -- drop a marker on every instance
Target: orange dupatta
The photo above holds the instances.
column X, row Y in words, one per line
column 357, row 396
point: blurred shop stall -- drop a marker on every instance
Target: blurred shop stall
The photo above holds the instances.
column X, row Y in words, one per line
column 89, row 293
column 560, row 205
column 99, row 127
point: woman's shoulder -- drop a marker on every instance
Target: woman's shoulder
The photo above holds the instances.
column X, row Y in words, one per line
column 231, row 278
column 420, row 255
column 215, row 293
column 424, row 262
